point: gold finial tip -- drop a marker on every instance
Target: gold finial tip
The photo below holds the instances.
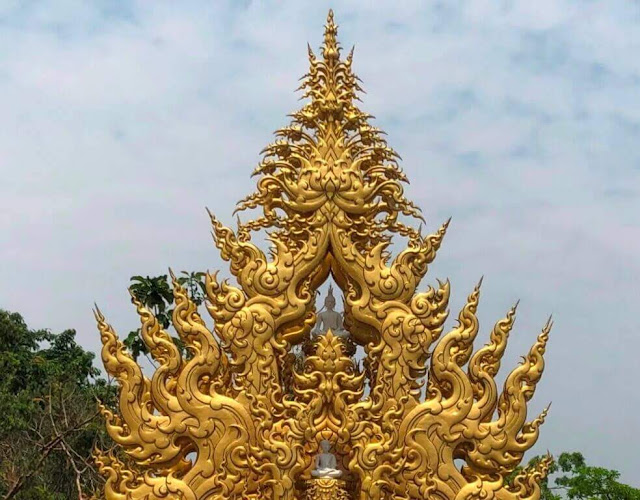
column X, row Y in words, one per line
column 330, row 48
column 97, row 313
column 549, row 323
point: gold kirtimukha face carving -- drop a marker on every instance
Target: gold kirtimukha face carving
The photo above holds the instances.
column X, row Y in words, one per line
column 238, row 418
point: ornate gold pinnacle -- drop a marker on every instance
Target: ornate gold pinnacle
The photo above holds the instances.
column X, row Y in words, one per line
column 234, row 420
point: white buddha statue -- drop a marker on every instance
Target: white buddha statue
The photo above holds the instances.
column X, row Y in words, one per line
column 326, row 465
column 329, row 319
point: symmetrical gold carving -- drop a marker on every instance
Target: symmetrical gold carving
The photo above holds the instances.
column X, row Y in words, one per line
column 234, row 420
column 326, row 489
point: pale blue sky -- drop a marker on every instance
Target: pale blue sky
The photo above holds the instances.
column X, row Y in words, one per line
column 122, row 120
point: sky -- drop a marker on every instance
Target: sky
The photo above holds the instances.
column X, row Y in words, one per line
column 121, row 121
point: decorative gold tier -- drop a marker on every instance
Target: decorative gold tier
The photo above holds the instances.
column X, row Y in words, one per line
column 326, row 489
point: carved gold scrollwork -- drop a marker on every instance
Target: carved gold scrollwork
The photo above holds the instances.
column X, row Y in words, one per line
column 243, row 415
column 326, row 489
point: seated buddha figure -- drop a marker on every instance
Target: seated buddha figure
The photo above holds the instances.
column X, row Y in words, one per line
column 329, row 318
column 326, row 465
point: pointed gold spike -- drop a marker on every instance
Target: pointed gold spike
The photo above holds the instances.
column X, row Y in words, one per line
column 330, row 48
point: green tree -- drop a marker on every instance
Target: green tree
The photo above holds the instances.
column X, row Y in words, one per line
column 580, row 481
column 575, row 480
column 156, row 294
column 50, row 422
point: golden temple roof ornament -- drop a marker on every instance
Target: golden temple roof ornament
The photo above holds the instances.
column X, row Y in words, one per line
column 235, row 419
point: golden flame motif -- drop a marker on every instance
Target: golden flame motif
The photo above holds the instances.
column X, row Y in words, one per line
column 227, row 422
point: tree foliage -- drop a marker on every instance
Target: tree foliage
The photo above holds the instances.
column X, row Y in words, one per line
column 50, row 422
column 580, row 481
column 156, row 294
column 571, row 478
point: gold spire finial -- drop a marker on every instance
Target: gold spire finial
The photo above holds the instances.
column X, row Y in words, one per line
column 331, row 155
column 330, row 47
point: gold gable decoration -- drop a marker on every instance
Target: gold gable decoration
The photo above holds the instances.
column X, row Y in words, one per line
column 236, row 418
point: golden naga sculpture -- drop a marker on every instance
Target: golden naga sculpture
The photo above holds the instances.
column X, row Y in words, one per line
column 235, row 418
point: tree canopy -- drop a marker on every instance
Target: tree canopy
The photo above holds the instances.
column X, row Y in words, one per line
column 571, row 478
column 50, row 422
